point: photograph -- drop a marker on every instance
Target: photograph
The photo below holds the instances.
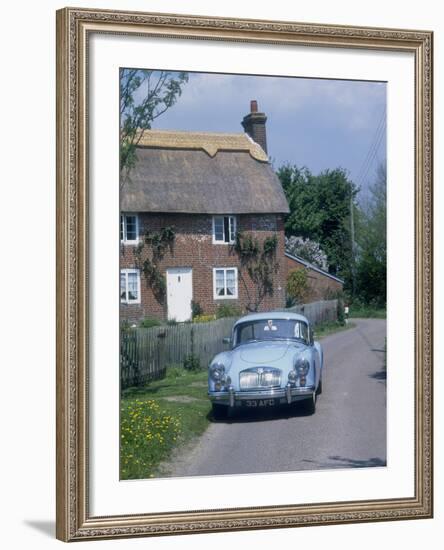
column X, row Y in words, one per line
column 244, row 273
column 253, row 273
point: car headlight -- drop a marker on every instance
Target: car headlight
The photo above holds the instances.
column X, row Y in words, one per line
column 302, row 367
column 217, row 372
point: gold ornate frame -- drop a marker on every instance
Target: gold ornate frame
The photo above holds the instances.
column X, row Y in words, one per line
column 73, row 519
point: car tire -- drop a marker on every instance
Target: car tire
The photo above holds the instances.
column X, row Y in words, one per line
column 319, row 390
column 219, row 411
column 310, row 404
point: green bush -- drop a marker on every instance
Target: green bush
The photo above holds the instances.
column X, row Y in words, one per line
column 203, row 318
column 196, row 309
column 341, row 312
column 191, row 363
column 297, row 285
column 228, row 310
column 174, row 371
column 148, row 323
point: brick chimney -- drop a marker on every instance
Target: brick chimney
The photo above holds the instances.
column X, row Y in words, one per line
column 254, row 125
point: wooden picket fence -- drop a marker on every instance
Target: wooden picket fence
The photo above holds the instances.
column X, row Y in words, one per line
column 145, row 353
column 318, row 312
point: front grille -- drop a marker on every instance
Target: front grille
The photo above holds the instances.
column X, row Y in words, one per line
column 263, row 377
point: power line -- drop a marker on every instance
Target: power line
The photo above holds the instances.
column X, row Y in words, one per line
column 376, row 135
column 373, row 149
column 373, row 146
column 373, row 156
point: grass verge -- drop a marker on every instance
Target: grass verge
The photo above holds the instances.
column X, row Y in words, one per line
column 157, row 418
column 330, row 327
column 365, row 312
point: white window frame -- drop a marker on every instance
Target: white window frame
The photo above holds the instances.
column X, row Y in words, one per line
column 225, row 269
column 124, row 216
column 126, row 272
column 233, row 236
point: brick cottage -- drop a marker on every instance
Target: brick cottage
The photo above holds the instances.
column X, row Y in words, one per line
column 191, row 193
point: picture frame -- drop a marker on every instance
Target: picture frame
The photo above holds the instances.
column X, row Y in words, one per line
column 75, row 29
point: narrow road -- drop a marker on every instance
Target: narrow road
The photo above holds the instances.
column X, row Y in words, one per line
column 348, row 428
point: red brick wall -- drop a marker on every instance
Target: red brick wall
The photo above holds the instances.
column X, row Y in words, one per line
column 193, row 247
column 320, row 286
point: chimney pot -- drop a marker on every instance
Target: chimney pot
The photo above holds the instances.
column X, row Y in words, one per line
column 254, row 125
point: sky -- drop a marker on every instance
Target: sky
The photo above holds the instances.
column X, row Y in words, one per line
column 319, row 124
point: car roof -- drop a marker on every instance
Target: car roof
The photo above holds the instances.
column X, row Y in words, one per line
column 272, row 315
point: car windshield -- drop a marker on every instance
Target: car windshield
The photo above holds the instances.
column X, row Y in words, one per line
column 270, row 329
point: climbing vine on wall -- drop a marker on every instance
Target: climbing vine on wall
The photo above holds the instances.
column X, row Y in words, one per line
column 149, row 253
column 258, row 260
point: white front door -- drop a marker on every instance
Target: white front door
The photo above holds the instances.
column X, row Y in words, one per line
column 180, row 293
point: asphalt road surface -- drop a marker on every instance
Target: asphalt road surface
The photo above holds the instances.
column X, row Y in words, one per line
column 348, row 428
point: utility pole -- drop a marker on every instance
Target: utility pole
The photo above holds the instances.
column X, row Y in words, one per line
column 352, row 235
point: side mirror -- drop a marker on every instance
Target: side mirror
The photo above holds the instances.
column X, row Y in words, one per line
column 227, row 340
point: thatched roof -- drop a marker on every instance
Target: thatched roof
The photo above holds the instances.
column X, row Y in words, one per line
column 201, row 172
column 210, row 142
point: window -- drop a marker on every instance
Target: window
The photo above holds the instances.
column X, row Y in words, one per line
column 129, row 228
column 271, row 329
column 224, row 229
column 225, row 282
column 130, row 286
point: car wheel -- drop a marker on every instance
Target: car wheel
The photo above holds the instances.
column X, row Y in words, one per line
column 319, row 390
column 310, row 404
column 219, row 411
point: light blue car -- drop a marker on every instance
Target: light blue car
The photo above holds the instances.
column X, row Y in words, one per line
column 273, row 360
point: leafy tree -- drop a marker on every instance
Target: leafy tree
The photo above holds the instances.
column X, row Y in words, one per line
column 320, row 210
column 144, row 96
column 371, row 262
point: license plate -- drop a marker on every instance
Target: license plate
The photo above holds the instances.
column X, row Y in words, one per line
column 260, row 403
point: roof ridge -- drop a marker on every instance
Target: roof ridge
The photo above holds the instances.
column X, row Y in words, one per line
column 210, row 142
column 312, row 266
column 188, row 132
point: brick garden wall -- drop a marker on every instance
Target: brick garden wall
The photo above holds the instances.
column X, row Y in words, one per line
column 321, row 287
column 193, row 247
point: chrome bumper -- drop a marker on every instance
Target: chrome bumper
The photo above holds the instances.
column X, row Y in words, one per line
column 288, row 395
